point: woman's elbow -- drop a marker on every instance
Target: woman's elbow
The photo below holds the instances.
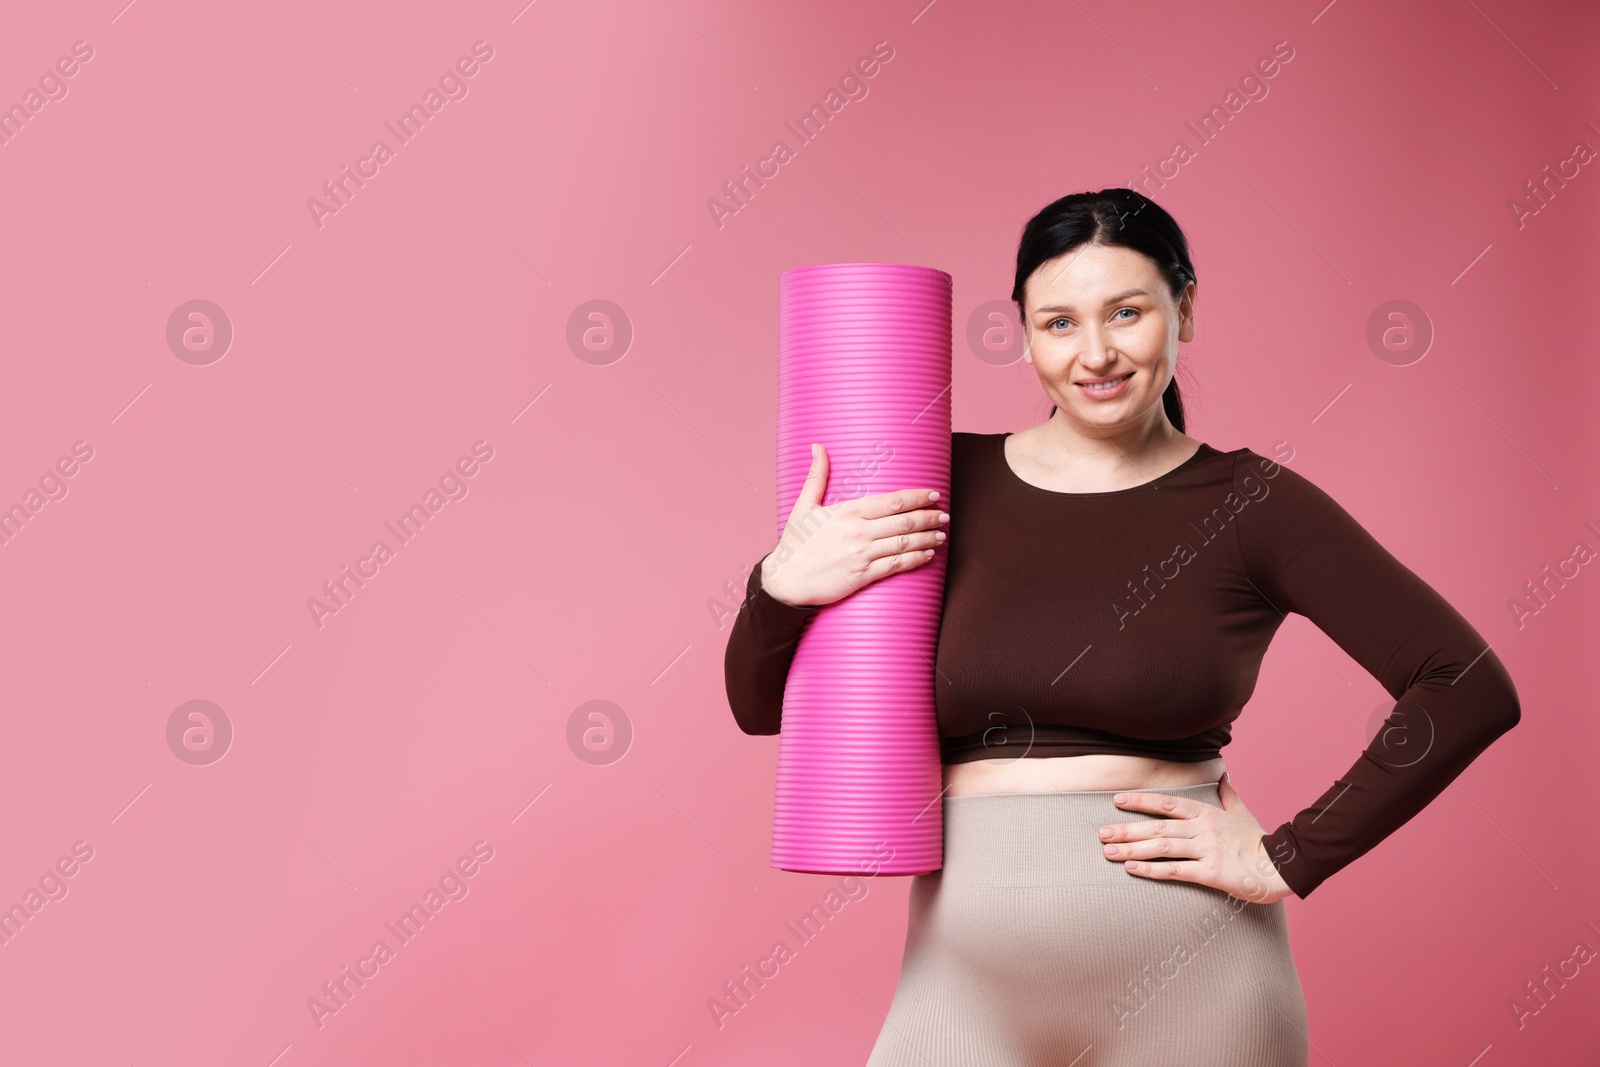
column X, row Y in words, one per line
column 754, row 723
column 1503, row 704
column 755, row 714
column 1511, row 709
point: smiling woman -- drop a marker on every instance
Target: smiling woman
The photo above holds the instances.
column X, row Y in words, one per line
column 1053, row 327
column 1089, row 824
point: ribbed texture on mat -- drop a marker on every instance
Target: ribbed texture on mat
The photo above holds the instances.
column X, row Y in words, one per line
column 864, row 370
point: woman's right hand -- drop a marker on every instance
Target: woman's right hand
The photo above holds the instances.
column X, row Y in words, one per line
column 828, row 552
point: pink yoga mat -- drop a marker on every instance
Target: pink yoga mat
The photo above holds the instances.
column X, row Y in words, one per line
column 864, row 370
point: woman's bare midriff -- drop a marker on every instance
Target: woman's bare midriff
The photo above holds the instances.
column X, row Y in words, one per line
column 1050, row 774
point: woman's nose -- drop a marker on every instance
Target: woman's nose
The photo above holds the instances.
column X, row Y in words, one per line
column 1095, row 353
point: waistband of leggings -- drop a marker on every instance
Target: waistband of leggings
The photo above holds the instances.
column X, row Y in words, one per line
column 1198, row 789
column 1042, row 839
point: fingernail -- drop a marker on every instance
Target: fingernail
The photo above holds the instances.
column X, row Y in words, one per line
column 1120, row 798
column 1105, row 831
column 933, row 495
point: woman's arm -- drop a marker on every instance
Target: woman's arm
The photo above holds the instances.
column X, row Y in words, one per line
column 761, row 647
column 1453, row 696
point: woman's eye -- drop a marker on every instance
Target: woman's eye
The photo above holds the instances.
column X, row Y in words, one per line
column 1052, row 323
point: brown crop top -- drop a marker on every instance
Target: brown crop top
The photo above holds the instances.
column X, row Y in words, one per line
column 1134, row 621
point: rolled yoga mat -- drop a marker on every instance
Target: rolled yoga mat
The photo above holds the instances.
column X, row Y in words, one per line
column 864, row 370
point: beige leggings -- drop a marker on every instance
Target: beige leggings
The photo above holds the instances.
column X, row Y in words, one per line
column 1031, row 948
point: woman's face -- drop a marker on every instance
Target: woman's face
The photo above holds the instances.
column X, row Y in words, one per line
column 1101, row 312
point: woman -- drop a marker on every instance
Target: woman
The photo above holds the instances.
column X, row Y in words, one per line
column 1105, row 896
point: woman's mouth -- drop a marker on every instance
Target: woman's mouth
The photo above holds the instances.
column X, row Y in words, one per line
column 1106, row 390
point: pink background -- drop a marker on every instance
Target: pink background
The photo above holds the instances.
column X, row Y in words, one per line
column 597, row 554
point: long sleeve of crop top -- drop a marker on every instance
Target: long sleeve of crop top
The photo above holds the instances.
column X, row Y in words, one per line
column 761, row 646
column 1453, row 697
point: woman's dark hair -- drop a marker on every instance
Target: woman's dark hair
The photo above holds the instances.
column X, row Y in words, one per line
column 1121, row 218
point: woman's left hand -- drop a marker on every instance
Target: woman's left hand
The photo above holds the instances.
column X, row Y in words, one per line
column 1197, row 842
